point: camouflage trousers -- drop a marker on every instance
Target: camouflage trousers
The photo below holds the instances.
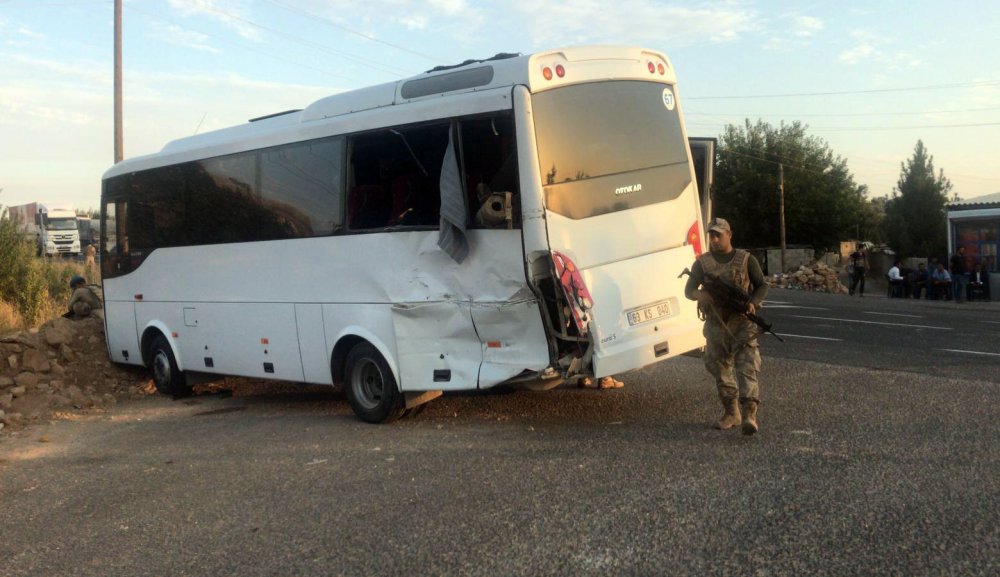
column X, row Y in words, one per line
column 732, row 357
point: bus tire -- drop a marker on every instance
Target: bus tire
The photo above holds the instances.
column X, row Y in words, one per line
column 169, row 380
column 370, row 386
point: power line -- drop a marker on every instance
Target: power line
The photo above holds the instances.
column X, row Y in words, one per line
column 878, row 128
column 270, row 54
column 842, row 114
column 846, row 160
column 898, row 162
column 915, row 127
column 843, row 92
column 298, row 40
column 779, row 162
column 330, row 22
column 51, row 4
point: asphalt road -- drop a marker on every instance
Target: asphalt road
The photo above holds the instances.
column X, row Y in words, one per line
column 934, row 337
column 866, row 464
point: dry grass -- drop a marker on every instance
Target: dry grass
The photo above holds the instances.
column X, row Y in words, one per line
column 56, row 273
column 10, row 320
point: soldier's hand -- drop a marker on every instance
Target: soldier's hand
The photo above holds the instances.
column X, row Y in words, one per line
column 751, row 309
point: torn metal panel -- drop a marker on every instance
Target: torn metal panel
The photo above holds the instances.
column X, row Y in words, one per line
column 436, row 346
column 417, row 398
column 513, row 339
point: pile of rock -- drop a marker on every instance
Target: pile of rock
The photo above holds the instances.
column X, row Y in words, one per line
column 62, row 366
column 816, row 277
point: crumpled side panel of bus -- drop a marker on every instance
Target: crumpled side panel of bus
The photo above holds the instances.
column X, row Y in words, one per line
column 510, row 345
column 436, row 346
column 486, row 331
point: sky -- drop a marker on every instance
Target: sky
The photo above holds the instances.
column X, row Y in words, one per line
column 868, row 78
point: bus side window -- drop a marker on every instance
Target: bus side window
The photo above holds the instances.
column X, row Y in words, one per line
column 394, row 177
column 301, row 184
column 489, row 159
column 367, row 207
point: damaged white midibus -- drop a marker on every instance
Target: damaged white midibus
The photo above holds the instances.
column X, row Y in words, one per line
column 521, row 219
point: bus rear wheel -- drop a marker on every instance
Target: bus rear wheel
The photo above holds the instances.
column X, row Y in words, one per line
column 370, row 386
column 169, row 380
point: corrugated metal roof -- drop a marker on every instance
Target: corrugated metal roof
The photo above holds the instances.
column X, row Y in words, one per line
column 983, row 201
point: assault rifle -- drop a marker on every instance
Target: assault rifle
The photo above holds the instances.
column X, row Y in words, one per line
column 732, row 298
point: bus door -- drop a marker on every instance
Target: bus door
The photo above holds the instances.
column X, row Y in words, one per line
column 119, row 303
column 703, row 157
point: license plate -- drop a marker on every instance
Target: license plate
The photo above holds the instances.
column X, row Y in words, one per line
column 648, row 313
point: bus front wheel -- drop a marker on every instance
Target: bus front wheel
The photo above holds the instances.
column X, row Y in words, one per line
column 169, row 380
column 370, row 386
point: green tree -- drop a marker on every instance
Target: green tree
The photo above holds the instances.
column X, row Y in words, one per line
column 872, row 220
column 823, row 205
column 915, row 215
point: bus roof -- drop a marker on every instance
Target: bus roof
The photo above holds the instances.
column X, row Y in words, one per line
column 539, row 71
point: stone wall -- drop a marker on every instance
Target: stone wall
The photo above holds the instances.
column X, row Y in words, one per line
column 816, row 277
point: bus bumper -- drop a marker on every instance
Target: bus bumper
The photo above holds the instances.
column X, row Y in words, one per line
column 662, row 344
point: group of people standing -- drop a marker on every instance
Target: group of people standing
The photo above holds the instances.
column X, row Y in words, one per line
column 936, row 282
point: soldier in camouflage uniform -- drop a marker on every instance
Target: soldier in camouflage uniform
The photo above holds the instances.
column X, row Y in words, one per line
column 731, row 354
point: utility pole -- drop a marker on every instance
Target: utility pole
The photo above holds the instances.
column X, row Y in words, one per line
column 118, row 82
column 781, row 189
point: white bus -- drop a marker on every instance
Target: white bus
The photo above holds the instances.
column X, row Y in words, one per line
column 520, row 219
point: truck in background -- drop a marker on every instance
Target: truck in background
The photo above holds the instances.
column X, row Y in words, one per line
column 54, row 229
column 90, row 230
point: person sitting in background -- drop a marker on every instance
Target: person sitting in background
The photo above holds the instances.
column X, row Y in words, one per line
column 919, row 281
column 83, row 301
column 896, row 281
column 941, row 283
column 979, row 282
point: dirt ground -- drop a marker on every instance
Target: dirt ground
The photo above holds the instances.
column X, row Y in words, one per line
column 59, row 369
column 62, row 370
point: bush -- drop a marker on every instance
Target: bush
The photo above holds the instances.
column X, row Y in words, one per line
column 33, row 289
column 10, row 320
column 23, row 278
column 32, row 294
column 57, row 277
column 19, row 272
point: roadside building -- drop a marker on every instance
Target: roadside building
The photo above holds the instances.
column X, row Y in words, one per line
column 975, row 224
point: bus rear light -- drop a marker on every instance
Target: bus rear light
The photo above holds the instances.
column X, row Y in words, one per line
column 651, row 66
column 547, row 73
column 694, row 239
column 493, row 344
column 560, row 70
column 660, row 68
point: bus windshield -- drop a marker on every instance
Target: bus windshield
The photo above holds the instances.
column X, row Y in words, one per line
column 609, row 146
